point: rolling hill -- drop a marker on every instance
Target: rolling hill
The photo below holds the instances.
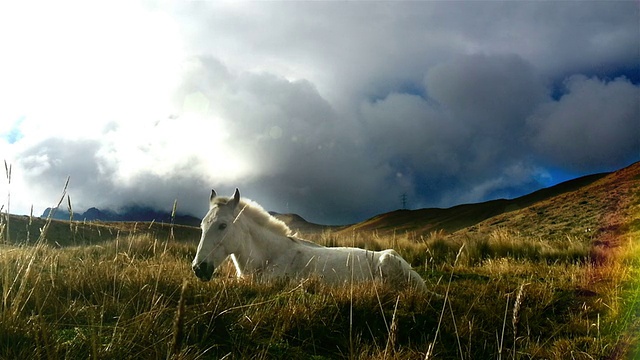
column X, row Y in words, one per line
column 298, row 224
column 574, row 205
column 604, row 208
column 449, row 220
column 589, row 203
column 121, row 298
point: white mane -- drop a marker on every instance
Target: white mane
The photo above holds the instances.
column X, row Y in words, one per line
column 261, row 217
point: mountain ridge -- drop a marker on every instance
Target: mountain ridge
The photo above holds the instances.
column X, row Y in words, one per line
column 574, row 195
column 129, row 213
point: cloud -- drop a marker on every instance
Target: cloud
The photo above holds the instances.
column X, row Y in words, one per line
column 594, row 125
column 44, row 167
column 298, row 146
column 95, row 180
column 490, row 97
column 410, row 137
column 256, row 131
column 492, row 93
column 351, row 49
column 329, row 110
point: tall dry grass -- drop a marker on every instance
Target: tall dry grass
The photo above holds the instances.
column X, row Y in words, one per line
column 135, row 297
column 506, row 296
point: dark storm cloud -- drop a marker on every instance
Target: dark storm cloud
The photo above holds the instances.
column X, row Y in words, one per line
column 464, row 140
column 491, row 97
column 94, row 181
column 48, row 163
column 352, row 49
column 494, row 93
column 334, row 110
column 301, row 150
column 595, row 125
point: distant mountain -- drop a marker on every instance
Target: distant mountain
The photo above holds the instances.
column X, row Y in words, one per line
column 577, row 196
column 594, row 204
column 59, row 214
column 131, row 213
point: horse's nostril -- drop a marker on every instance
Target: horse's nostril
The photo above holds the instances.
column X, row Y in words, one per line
column 203, row 271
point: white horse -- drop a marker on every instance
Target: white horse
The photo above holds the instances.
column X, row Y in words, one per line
column 264, row 246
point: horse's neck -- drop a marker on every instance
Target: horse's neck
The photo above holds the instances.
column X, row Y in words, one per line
column 261, row 247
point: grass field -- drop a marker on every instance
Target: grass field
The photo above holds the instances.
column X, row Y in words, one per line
column 126, row 291
column 135, row 297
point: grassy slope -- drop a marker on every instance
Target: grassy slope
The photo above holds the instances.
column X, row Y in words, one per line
column 299, row 224
column 607, row 214
column 528, row 284
column 27, row 230
column 601, row 209
column 459, row 217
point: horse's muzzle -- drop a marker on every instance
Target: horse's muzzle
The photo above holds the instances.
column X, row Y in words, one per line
column 204, row 271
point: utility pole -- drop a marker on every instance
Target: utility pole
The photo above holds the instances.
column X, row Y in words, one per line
column 403, row 197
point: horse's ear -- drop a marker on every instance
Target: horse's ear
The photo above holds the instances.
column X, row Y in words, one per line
column 213, row 196
column 236, row 198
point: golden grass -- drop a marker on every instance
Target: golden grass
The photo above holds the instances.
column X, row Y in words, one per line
column 135, row 296
column 78, row 290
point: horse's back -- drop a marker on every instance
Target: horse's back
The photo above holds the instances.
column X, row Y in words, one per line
column 398, row 272
column 356, row 264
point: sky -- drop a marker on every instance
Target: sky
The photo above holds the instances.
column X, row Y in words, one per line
column 331, row 110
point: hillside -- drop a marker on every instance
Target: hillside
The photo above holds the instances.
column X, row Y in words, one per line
column 424, row 221
column 604, row 208
column 298, row 224
column 26, row 230
column 554, row 279
column 574, row 206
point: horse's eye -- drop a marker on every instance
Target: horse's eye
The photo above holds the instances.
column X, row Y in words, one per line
column 222, row 226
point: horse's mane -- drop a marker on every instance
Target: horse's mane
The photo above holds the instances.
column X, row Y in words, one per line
column 258, row 214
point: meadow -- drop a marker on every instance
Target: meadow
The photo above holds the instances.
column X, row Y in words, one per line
column 76, row 290
column 501, row 297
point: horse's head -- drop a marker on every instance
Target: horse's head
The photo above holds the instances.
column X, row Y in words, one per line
column 217, row 235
